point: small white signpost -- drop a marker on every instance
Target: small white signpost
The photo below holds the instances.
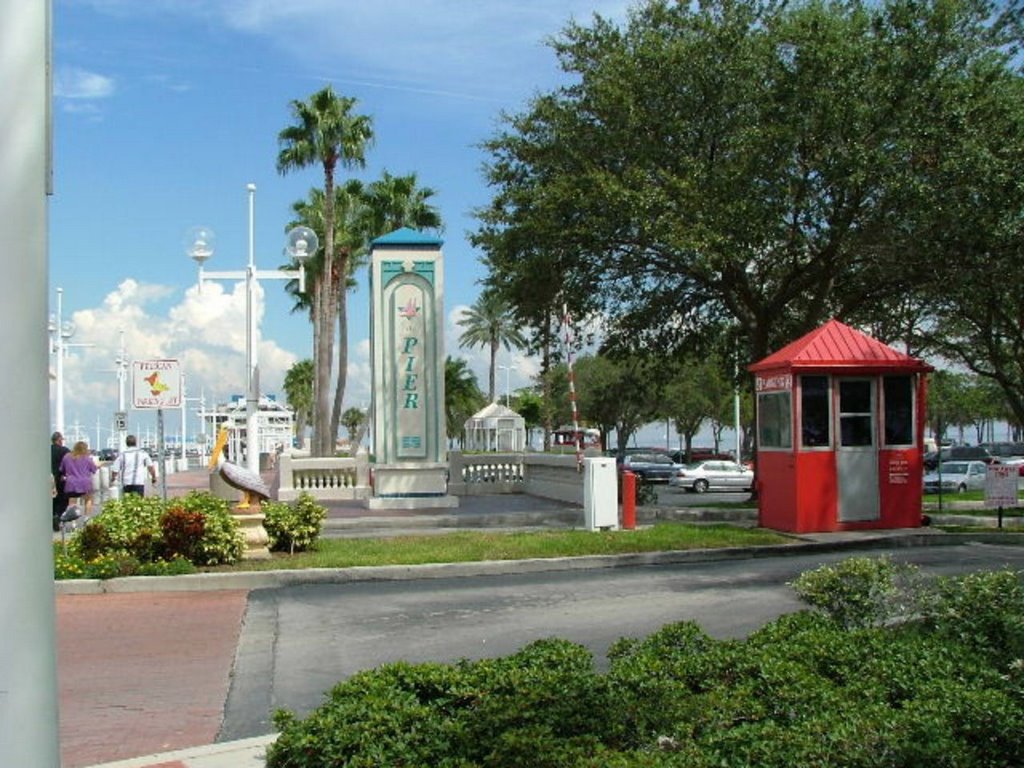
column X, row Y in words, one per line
column 157, row 384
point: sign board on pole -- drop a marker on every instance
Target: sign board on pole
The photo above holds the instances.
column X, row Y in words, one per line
column 1001, row 486
column 120, row 420
column 156, row 384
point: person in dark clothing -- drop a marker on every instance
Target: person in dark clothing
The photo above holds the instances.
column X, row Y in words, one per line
column 60, row 499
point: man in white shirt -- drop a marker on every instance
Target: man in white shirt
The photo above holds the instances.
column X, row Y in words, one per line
column 132, row 466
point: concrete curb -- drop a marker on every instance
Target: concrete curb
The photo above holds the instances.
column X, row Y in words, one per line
column 281, row 578
column 230, row 754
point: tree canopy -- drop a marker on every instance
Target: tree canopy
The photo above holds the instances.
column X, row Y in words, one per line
column 761, row 166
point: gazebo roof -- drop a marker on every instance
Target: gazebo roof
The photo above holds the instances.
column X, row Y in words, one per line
column 495, row 411
column 837, row 345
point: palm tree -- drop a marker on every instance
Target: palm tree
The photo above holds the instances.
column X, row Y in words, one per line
column 395, row 201
column 353, row 419
column 325, row 132
column 298, row 391
column 462, row 396
column 350, row 236
column 491, row 323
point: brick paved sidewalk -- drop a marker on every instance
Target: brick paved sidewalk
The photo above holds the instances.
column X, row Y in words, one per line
column 143, row 673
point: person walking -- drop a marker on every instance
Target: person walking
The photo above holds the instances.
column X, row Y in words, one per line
column 77, row 468
column 131, row 466
column 60, row 499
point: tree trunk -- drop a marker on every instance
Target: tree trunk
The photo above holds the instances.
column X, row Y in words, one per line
column 323, row 440
column 339, row 391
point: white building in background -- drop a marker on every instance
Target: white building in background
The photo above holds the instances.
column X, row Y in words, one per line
column 495, row 428
column 276, row 424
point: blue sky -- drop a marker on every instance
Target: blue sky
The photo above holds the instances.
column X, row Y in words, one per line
column 164, row 110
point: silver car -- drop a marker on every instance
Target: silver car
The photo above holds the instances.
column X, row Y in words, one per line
column 957, row 477
column 713, row 474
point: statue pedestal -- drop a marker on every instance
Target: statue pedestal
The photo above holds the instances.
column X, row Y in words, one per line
column 253, row 533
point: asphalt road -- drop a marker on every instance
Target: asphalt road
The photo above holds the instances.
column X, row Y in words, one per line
column 669, row 496
column 297, row 642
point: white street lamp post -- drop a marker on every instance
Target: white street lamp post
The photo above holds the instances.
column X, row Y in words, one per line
column 60, row 333
column 302, row 243
column 508, row 392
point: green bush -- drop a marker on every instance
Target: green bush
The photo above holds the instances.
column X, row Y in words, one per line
column 148, row 530
column 862, row 591
column 222, row 540
column 804, row 690
column 293, row 527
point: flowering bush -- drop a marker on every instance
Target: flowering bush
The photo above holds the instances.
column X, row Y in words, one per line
column 135, row 531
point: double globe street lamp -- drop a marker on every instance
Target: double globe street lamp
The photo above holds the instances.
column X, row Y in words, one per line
column 301, row 243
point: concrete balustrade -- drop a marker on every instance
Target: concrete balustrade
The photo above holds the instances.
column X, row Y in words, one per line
column 326, row 479
column 548, row 476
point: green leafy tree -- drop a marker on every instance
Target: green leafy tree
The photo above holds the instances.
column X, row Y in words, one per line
column 394, row 202
column 529, row 404
column 462, row 397
column 490, row 324
column 325, row 132
column 298, row 391
column 763, row 162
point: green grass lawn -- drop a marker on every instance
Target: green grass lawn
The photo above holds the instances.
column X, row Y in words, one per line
column 473, row 546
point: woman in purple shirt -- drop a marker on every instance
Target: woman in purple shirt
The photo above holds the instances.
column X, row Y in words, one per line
column 78, row 468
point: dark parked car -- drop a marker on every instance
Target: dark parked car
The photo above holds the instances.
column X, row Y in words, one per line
column 959, row 453
column 652, row 467
column 106, row 454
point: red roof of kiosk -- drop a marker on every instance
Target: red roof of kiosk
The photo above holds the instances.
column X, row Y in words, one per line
column 837, row 345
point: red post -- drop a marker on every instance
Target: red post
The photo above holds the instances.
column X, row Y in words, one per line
column 628, row 500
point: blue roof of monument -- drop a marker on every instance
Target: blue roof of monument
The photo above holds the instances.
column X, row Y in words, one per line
column 407, row 236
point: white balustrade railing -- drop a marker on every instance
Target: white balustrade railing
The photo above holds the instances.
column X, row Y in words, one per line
column 327, row 479
column 340, row 479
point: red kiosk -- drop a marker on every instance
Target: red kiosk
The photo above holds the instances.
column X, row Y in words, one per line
column 840, row 423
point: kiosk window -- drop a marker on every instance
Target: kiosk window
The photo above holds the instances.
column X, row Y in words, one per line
column 855, row 429
column 814, row 419
column 899, row 410
column 774, row 420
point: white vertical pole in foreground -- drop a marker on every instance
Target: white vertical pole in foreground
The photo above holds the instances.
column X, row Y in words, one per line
column 28, row 668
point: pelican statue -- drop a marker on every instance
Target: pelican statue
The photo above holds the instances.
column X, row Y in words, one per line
column 253, row 489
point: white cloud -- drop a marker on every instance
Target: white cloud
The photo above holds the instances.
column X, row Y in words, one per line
column 75, row 83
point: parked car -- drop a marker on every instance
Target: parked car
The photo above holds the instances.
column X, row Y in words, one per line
column 650, row 466
column 715, row 475
column 106, row 454
column 698, row 454
column 959, row 453
column 957, row 477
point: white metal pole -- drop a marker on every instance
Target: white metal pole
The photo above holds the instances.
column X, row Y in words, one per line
column 122, row 376
column 252, row 398
column 58, row 410
column 28, row 665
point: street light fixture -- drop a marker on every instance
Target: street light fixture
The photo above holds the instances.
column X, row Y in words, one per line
column 302, row 243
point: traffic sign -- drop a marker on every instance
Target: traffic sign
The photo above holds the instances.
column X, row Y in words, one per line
column 120, row 421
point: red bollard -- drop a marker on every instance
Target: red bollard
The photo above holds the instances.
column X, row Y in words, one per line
column 628, row 500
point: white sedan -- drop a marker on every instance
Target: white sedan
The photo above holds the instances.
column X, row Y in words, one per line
column 957, row 477
column 713, row 474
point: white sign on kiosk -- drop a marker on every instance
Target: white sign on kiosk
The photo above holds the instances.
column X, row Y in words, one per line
column 156, row 384
column 600, row 494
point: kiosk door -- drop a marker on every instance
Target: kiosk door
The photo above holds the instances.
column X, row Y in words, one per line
column 857, row 452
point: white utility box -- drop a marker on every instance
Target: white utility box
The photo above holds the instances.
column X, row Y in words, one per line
column 600, row 494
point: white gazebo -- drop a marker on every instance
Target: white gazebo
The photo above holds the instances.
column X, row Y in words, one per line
column 495, row 428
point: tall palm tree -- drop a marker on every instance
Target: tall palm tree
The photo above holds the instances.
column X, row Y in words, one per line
column 350, row 237
column 328, row 133
column 491, row 323
column 298, row 391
